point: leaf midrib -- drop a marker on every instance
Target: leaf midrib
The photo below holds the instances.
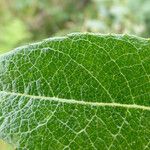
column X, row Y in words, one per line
column 73, row 101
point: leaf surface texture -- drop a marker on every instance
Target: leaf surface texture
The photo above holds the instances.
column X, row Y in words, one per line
column 82, row 91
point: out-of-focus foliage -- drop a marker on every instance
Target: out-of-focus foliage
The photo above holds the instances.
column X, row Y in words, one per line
column 5, row 146
column 24, row 21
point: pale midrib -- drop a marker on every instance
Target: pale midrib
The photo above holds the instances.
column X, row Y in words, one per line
column 73, row 101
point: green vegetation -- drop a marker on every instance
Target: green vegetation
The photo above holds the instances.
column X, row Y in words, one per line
column 82, row 91
column 27, row 21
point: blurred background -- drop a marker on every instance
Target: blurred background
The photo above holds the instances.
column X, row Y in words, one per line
column 27, row 21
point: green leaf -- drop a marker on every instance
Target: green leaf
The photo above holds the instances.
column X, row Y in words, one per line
column 82, row 91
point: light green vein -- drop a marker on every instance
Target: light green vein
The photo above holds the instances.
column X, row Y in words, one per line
column 77, row 102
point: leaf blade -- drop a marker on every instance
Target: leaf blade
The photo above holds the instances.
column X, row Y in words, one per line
column 80, row 70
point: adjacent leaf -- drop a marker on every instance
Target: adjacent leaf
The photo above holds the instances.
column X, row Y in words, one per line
column 83, row 91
